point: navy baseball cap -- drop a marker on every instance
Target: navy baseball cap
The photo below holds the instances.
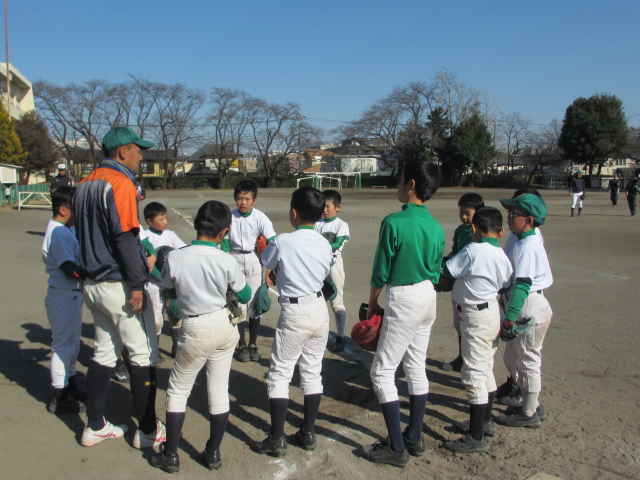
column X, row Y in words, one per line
column 120, row 136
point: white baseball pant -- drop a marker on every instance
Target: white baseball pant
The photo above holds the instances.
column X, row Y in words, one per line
column 404, row 337
column 456, row 316
column 252, row 270
column 64, row 311
column 210, row 340
column 118, row 326
column 576, row 198
column 301, row 334
column 523, row 355
column 337, row 276
column 480, row 330
column 156, row 293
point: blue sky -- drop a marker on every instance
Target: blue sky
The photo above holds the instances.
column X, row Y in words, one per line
column 335, row 58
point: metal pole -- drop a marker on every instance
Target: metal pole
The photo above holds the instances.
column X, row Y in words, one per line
column 6, row 43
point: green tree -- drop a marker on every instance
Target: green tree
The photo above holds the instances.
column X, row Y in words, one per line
column 468, row 151
column 10, row 148
column 594, row 130
column 42, row 152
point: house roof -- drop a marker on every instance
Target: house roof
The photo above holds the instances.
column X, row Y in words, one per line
column 208, row 150
column 315, row 169
column 6, row 165
column 317, row 153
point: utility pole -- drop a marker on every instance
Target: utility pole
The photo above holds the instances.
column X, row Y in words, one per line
column 6, row 43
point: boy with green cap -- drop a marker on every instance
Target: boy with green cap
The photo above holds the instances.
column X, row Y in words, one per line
column 531, row 276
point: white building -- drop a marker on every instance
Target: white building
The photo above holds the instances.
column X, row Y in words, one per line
column 20, row 91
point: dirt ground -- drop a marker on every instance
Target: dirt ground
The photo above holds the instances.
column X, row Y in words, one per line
column 591, row 370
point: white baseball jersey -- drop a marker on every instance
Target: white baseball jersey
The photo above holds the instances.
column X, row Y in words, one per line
column 513, row 238
column 481, row 269
column 303, row 260
column 200, row 273
column 246, row 228
column 160, row 239
column 60, row 245
column 335, row 225
column 529, row 260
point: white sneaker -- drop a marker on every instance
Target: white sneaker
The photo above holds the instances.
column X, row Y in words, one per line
column 153, row 439
column 94, row 437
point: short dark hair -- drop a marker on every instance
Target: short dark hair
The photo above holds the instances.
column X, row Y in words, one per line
column 309, row 203
column 471, row 200
column 246, row 186
column 522, row 191
column 488, row 219
column 332, row 195
column 425, row 174
column 62, row 197
column 212, row 218
column 153, row 209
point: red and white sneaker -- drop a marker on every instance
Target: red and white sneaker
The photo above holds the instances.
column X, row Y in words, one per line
column 94, row 437
column 153, row 439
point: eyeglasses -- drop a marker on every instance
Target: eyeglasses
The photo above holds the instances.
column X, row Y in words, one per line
column 512, row 214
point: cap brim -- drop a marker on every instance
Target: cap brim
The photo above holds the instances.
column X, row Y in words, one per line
column 144, row 144
column 508, row 202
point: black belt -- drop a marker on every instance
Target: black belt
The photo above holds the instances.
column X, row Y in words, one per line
column 242, row 251
column 295, row 300
column 480, row 307
column 72, row 289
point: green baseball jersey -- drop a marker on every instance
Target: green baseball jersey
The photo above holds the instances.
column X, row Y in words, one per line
column 462, row 237
column 410, row 248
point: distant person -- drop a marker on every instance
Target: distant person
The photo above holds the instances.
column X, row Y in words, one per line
column 63, row 179
column 632, row 195
column 614, row 189
column 577, row 191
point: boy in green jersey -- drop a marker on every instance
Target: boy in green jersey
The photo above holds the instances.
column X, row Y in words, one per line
column 468, row 205
column 407, row 262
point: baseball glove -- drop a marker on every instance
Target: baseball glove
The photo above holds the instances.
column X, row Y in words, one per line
column 583, row 196
column 511, row 330
column 330, row 236
column 162, row 256
column 235, row 310
column 261, row 244
column 366, row 333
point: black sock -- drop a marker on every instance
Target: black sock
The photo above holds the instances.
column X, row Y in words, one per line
column 311, row 408
column 97, row 385
column 59, row 393
column 278, row 408
column 217, row 427
column 72, row 382
column 487, row 413
column 143, row 390
column 417, row 404
column 476, row 413
column 241, row 328
column 459, row 346
column 254, row 325
column 175, row 420
column 391, row 414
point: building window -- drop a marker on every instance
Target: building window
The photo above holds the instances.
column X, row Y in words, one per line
column 145, row 167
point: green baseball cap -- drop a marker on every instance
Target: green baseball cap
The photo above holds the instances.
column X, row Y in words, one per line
column 531, row 205
column 120, row 136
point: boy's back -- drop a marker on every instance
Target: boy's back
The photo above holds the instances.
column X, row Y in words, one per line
column 303, row 260
column 59, row 246
column 410, row 249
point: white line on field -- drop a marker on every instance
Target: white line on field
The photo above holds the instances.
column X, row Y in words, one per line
column 182, row 216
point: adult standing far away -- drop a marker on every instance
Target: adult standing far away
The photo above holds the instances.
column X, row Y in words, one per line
column 614, row 189
column 632, row 195
column 107, row 227
column 576, row 190
column 63, row 179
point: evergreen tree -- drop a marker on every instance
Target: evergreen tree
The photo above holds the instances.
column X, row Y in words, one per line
column 42, row 152
column 594, row 130
column 10, row 148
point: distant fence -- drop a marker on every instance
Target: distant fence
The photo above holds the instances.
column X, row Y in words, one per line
column 10, row 196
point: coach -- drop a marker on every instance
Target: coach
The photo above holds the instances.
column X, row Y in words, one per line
column 107, row 227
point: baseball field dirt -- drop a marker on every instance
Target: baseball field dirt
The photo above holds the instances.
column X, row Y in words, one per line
column 591, row 365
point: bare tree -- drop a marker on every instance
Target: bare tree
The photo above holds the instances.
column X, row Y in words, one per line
column 542, row 149
column 229, row 117
column 457, row 98
column 514, row 132
column 276, row 131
